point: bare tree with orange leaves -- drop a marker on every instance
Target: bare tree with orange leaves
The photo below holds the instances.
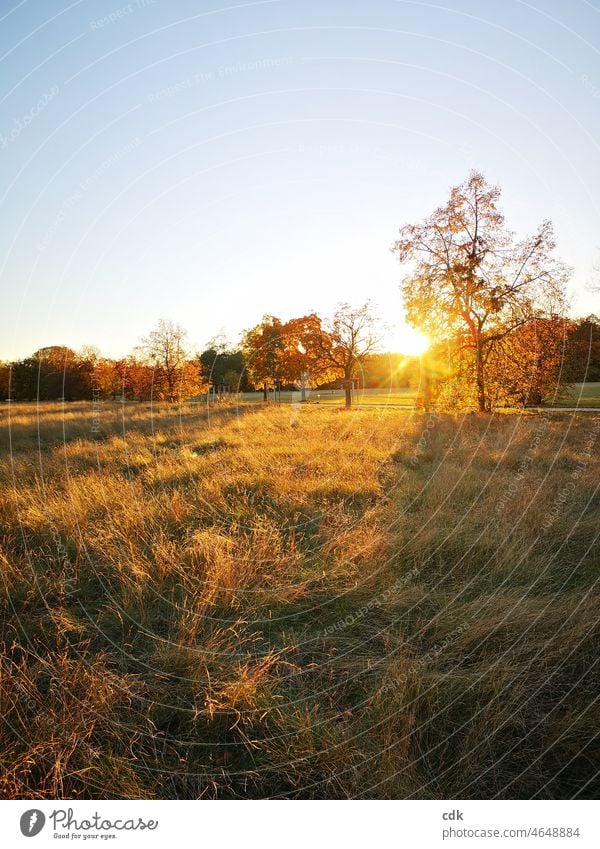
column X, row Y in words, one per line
column 345, row 342
column 175, row 375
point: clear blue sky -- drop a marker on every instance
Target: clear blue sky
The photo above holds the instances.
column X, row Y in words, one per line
column 209, row 163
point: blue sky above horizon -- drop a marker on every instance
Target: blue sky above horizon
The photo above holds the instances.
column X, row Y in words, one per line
column 210, row 162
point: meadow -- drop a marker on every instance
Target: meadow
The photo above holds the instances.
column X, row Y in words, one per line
column 297, row 601
column 577, row 395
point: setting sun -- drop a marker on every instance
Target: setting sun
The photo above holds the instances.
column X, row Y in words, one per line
column 407, row 340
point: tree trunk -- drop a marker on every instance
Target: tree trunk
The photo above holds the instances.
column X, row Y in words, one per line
column 348, row 392
column 480, row 377
column 425, row 379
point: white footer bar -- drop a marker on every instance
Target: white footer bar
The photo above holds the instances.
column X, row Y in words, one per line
column 291, row 824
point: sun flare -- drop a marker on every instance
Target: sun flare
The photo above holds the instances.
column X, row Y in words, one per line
column 407, row 341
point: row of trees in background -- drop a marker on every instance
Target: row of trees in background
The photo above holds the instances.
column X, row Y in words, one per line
column 160, row 368
column 527, row 366
column 493, row 307
column 301, row 353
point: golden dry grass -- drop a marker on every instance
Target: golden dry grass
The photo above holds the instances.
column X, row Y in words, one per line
column 297, row 601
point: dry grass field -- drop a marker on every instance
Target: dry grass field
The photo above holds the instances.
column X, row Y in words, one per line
column 298, row 601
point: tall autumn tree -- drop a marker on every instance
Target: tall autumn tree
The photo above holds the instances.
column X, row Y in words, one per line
column 302, row 360
column 532, row 365
column 165, row 349
column 264, row 347
column 107, row 379
column 472, row 280
column 345, row 342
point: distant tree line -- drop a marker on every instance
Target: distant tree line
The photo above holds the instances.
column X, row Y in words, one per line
column 298, row 354
column 494, row 308
column 306, row 353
